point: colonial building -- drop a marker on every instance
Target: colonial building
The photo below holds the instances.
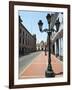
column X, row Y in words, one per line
column 57, row 38
column 41, row 46
column 27, row 42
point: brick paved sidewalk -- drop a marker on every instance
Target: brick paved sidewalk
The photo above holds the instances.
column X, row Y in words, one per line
column 38, row 66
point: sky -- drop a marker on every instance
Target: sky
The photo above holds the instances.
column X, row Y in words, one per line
column 30, row 21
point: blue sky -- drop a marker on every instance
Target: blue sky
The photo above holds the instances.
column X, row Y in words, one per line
column 30, row 21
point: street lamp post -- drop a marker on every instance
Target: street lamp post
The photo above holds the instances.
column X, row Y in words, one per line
column 49, row 72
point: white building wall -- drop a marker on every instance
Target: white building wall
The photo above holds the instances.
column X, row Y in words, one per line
column 55, row 48
column 61, row 47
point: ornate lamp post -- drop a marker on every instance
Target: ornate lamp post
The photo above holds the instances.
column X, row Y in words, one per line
column 49, row 72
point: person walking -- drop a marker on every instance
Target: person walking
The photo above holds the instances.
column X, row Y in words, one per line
column 45, row 51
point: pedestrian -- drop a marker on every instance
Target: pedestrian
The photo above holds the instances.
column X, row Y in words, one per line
column 45, row 51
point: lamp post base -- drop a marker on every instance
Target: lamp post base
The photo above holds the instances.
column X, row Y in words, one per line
column 49, row 72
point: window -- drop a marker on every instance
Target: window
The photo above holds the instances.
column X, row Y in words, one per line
column 19, row 30
column 26, row 42
column 23, row 40
column 20, row 40
column 26, row 34
column 23, row 33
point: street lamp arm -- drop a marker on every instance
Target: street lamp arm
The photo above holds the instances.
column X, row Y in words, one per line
column 47, row 30
column 53, row 30
column 44, row 30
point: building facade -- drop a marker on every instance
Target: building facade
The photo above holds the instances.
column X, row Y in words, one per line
column 27, row 42
column 57, row 39
column 41, row 46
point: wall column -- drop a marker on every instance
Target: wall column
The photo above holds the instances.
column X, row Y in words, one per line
column 55, row 48
column 60, row 47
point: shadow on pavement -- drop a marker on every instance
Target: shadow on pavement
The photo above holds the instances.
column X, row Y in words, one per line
column 59, row 73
